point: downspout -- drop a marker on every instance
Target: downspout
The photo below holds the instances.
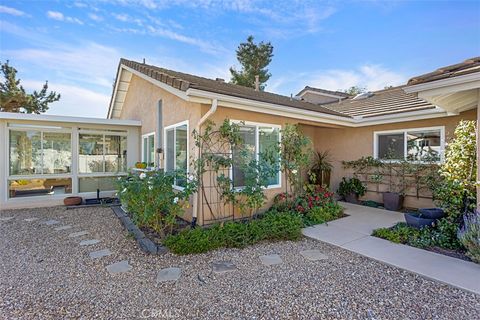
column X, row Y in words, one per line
column 211, row 111
column 158, row 136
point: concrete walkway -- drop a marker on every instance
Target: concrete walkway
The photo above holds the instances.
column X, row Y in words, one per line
column 353, row 233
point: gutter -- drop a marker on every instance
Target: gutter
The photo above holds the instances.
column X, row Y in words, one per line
column 211, row 111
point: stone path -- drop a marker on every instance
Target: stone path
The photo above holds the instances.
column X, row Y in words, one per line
column 119, row 267
column 169, row 274
column 89, row 242
column 63, row 228
column 78, row 234
column 51, row 222
column 270, row 259
column 100, row 253
column 223, row 266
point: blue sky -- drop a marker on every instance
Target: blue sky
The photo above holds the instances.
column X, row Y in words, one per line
column 76, row 45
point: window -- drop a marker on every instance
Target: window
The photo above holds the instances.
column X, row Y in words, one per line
column 424, row 144
column 257, row 138
column 176, row 150
column 99, row 153
column 33, row 152
column 148, row 149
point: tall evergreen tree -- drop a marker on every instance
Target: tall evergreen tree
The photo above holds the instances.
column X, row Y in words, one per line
column 13, row 97
column 254, row 59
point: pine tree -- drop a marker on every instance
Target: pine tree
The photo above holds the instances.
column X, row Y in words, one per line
column 254, row 59
column 13, row 97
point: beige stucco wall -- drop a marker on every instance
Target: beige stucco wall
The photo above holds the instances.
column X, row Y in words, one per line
column 352, row 143
column 318, row 98
column 141, row 104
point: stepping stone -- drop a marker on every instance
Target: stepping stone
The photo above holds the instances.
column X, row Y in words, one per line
column 313, row 255
column 30, row 219
column 271, row 259
column 63, row 228
column 78, row 234
column 168, row 274
column 119, row 267
column 51, row 222
column 6, row 218
column 89, row 242
column 100, row 253
column 223, row 266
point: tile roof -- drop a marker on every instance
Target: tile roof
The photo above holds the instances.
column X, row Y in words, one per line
column 468, row 66
column 319, row 90
column 382, row 102
column 184, row 81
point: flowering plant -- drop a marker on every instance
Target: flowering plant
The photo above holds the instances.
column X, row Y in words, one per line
column 152, row 201
column 314, row 196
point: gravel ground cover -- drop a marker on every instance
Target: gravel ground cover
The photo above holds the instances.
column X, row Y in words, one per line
column 44, row 274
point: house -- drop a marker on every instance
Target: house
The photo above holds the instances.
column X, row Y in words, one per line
column 158, row 110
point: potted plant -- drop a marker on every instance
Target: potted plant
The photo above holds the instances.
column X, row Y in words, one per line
column 417, row 220
column 393, row 198
column 351, row 189
column 319, row 174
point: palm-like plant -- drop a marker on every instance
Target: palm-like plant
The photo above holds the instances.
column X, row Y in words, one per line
column 320, row 172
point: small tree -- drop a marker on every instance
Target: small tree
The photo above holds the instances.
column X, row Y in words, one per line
column 296, row 153
column 354, row 90
column 13, row 97
column 457, row 188
column 254, row 59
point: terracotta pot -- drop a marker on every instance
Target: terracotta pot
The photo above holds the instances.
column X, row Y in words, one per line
column 392, row 201
column 72, row 201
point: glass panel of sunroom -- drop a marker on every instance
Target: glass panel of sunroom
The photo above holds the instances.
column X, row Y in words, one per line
column 25, row 152
column 39, row 187
column 115, row 153
column 90, row 157
column 91, row 184
column 391, row 146
column 424, row 145
column 57, row 152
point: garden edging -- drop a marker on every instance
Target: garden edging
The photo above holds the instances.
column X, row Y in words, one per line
column 145, row 244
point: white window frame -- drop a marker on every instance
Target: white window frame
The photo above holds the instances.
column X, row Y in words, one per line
column 405, row 139
column 165, row 129
column 146, row 136
column 257, row 125
column 103, row 134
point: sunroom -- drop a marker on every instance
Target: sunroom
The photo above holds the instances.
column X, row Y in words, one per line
column 47, row 158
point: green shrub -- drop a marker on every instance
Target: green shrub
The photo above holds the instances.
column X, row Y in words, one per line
column 272, row 226
column 328, row 212
column 352, row 185
column 400, row 233
column 152, row 201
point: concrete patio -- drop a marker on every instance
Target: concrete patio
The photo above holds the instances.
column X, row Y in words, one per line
column 353, row 233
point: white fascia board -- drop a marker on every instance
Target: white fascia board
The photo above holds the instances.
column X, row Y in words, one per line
column 290, row 112
column 270, row 108
column 468, row 78
column 114, row 94
column 179, row 93
column 66, row 119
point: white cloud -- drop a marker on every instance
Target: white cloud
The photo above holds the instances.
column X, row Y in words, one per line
column 95, row 17
column 74, row 101
column 90, row 63
column 121, row 17
column 370, row 76
column 11, row 11
column 55, row 15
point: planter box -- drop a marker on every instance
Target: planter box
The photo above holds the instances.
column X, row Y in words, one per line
column 145, row 244
column 417, row 221
column 432, row 213
column 392, row 201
